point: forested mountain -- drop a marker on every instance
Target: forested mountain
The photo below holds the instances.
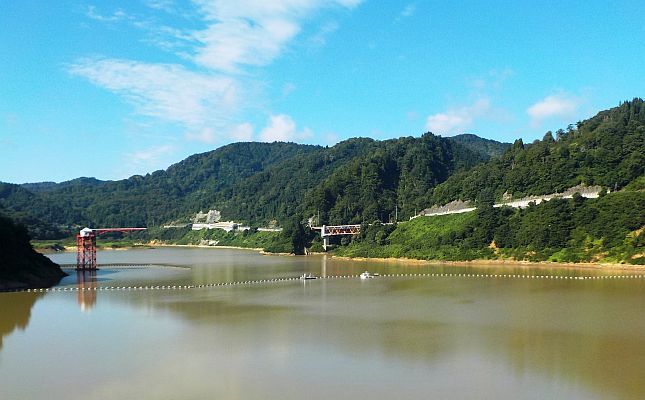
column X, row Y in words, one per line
column 182, row 189
column 250, row 182
column 397, row 176
column 29, row 209
column 492, row 148
column 606, row 150
column 355, row 181
column 278, row 191
column 49, row 186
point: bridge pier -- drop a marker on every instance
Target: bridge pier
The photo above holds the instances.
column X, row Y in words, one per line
column 324, row 236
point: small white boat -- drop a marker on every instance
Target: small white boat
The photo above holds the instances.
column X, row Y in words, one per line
column 307, row 276
column 366, row 275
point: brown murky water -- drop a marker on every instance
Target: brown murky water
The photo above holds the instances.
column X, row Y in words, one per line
column 404, row 337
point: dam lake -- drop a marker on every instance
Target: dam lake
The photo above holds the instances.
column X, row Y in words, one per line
column 417, row 331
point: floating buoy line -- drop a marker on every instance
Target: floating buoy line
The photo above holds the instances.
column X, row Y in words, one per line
column 334, row 277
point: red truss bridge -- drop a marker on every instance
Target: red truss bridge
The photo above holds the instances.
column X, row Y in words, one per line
column 86, row 246
column 336, row 230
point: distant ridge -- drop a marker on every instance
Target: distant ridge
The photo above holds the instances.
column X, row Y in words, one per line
column 250, row 181
column 607, row 150
column 490, row 147
column 357, row 180
column 38, row 187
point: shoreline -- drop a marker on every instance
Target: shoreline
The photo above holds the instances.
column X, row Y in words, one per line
column 199, row 246
column 150, row 246
column 502, row 263
column 411, row 261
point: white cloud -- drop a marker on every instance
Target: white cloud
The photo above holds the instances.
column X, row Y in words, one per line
column 206, row 135
column 165, row 5
column 287, row 89
column 457, row 120
column 409, row 10
column 239, row 133
column 152, row 153
column 206, row 89
column 493, row 79
column 559, row 105
column 226, row 45
column 165, row 91
column 242, row 132
column 116, row 16
column 251, row 32
column 331, row 138
column 148, row 159
column 282, row 128
column 448, row 123
column 320, row 38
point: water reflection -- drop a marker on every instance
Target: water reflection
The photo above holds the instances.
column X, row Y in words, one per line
column 612, row 364
column 16, row 311
column 470, row 337
column 323, row 270
column 86, row 295
column 576, row 336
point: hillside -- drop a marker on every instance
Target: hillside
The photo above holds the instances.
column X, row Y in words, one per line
column 365, row 181
column 608, row 229
column 397, row 177
column 491, row 148
column 38, row 187
column 30, row 210
column 278, row 192
column 20, row 266
column 179, row 191
column 250, row 182
column 606, row 150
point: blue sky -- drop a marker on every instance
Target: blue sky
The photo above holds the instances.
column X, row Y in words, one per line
column 115, row 88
